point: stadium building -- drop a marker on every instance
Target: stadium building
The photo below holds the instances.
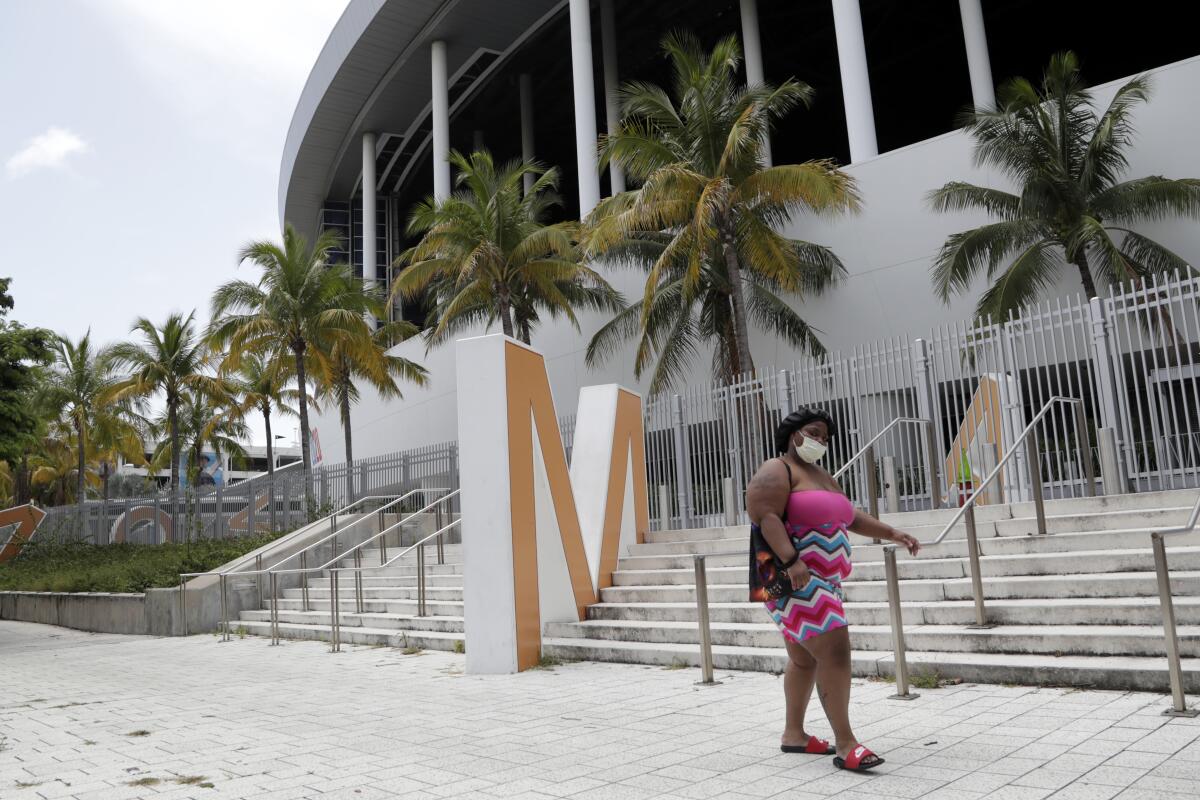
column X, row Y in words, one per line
column 401, row 82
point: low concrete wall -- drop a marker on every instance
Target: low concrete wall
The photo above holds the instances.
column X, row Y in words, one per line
column 100, row 612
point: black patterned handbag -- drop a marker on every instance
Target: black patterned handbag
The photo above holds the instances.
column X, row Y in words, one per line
column 768, row 580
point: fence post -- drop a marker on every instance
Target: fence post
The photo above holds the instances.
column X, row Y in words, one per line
column 1035, row 480
column 271, row 504
column 1110, row 469
column 664, row 507
column 219, row 517
column 1012, row 419
column 891, row 486
column 871, row 475
column 730, row 497
column 1104, row 358
column 1178, row 700
column 251, row 518
column 706, row 657
column 734, row 451
column 125, row 517
column 783, row 393
column 928, row 408
column 896, row 612
column 683, row 467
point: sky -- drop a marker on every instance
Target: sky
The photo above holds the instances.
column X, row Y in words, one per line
column 140, row 143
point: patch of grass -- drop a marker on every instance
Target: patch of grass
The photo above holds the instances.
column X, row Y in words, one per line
column 138, row 733
column 81, row 567
column 191, row 780
column 460, row 647
column 205, row 785
column 412, row 650
column 144, row 782
column 241, row 631
column 926, row 679
column 28, row 785
column 548, row 662
column 676, row 665
column 88, row 741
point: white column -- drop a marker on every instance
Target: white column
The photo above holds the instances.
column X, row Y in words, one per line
column 983, row 91
column 441, row 121
column 856, row 85
column 585, row 106
column 527, row 150
column 612, row 104
column 368, row 209
column 752, row 45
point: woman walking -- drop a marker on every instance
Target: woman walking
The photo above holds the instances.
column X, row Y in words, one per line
column 801, row 553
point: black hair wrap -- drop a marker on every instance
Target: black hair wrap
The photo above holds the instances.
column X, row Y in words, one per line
column 797, row 420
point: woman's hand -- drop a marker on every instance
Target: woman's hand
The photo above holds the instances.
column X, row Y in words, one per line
column 908, row 541
column 798, row 574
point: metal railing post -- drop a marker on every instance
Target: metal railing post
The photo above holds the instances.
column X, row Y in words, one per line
column 224, row 587
column 274, row 609
column 1178, row 700
column 891, row 486
column 976, row 573
column 706, row 657
column 304, row 604
column 899, row 654
column 439, row 520
column 183, row 605
column 258, row 578
column 421, row 580
column 1035, row 478
column 382, row 541
column 358, row 580
column 335, row 623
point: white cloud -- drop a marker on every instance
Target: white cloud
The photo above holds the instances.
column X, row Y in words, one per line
column 49, row 150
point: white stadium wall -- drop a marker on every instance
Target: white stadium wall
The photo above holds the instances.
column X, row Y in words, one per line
column 887, row 250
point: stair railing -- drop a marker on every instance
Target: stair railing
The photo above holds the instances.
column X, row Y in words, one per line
column 1174, row 669
column 302, row 555
column 867, row 455
column 1027, row 439
column 358, row 570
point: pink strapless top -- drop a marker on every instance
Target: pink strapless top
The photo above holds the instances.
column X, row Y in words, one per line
column 817, row 520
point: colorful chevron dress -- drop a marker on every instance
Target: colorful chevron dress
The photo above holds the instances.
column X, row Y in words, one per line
column 817, row 520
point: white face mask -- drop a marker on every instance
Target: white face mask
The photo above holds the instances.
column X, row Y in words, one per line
column 811, row 451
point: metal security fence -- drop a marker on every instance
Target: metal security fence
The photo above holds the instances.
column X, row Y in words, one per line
column 1132, row 359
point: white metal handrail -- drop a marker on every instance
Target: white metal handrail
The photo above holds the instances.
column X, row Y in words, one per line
column 1027, row 438
column 1174, row 668
column 867, row 454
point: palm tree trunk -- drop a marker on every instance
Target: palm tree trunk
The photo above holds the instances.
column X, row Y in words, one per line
column 305, row 456
column 173, row 424
column 741, row 335
column 80, row 466
column 23, row 493
column 525, row 331
column 1085, row 273
column 266, row 412
column 344, row 402
column 502, row 305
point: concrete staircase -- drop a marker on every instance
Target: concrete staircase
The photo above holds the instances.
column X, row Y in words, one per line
column 389, row 616
column 1078, row 606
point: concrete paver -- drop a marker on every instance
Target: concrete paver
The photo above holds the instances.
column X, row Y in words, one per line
column 111, row 717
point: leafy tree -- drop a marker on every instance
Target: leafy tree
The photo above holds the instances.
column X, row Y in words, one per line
column 340, row 362
column 486, row 253
column 21, row 351
column 260, row 382
column 1070, row 205
column 300, row 299
column 171, row 359
column 203, row 425
column 83, row 388
column 705, row 221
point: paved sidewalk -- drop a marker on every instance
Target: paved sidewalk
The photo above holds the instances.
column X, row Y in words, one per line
column 100, row 716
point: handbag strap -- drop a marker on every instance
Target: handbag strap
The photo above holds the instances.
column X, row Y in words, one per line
column 788, row 467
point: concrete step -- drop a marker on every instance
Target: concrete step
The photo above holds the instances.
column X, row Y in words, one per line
column 378, row 592
column 365, row 620
column 401, row 580
column 1044, row 639
column 346, row 605
column 1072, row 611
column 1098, row 672
column 385, row 637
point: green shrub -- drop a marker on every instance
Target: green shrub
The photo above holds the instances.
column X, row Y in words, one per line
column 82, row 567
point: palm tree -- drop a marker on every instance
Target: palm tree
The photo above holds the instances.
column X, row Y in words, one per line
column 173, row 360
column 54, row 469
column 261, row 383
column 1070, row 205
column 300, row 299
column 82, row 387
column 204, row 425
column 486, row 253
column 341, row 361
column 705, row 220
